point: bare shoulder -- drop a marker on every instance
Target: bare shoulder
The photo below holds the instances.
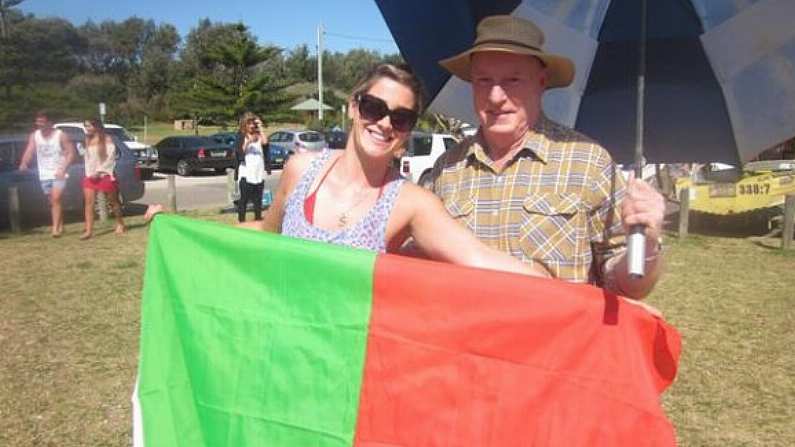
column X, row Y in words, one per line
column 298, row 163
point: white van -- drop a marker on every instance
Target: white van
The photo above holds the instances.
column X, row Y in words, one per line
column 145, row 155
column 422, row 151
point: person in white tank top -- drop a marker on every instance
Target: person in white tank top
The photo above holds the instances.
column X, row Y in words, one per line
column 54, row 153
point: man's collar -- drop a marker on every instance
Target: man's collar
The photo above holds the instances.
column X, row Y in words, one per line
column 534, row 142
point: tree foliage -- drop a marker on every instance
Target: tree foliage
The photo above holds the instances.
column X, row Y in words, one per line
column 138, row 67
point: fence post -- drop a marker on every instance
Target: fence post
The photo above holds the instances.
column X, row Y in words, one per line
column 102, row 206
column 684, row 212
column 230, row 185
column 14, row 216
column 172, row 193
column 789, row 221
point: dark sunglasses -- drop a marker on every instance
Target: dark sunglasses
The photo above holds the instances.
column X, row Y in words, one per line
column 373, row 108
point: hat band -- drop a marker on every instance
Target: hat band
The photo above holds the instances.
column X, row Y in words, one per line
column 508, row 42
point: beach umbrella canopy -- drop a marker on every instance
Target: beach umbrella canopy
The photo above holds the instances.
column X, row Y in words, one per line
column 719, row 75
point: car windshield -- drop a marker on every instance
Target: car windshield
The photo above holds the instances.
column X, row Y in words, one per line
column 199, row 141
column 119, row 133
column 310, row 137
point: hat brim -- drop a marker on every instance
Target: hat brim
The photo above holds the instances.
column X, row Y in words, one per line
column 560, row 70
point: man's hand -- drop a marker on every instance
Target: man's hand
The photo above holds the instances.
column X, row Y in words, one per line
column 643, row 205
column 60, row 173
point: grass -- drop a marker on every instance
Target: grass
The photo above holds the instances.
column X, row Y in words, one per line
column 159, row 130
column 69, row 326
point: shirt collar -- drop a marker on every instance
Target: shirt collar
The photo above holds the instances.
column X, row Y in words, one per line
column 535, row 143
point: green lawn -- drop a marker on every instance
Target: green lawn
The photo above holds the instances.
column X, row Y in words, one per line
column 69, row 325
column 157, row 131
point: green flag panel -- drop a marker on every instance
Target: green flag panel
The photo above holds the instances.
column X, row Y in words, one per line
column 249, row 338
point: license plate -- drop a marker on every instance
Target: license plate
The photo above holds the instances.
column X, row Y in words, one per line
column 218, row 154
column 278, row 159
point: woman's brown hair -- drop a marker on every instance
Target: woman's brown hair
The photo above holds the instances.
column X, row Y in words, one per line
column 101, row 136
column 399, row 73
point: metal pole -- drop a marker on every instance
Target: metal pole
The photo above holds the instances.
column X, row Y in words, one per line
column 636, row 241
column 789, row 221
column 172, row 194
column 14, row 216
column 320, row 71
column 684, row 212
column 145, row 127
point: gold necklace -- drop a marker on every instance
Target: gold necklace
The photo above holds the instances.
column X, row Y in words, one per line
column 342, row 220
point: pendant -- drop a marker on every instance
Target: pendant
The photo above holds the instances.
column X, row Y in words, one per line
column 343, row 220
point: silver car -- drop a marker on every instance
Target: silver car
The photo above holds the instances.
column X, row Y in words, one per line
column 292, row 141
column 33, row 202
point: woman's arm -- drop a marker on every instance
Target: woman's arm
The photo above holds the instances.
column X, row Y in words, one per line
column 443, row 239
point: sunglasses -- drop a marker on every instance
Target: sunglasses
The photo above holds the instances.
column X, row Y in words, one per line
column 372, row 108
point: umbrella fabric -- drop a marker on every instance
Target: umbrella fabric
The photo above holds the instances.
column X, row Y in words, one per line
column 256, row 339
column 720, row 76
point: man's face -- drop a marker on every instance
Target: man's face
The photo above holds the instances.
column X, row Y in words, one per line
column 507, row 89
column 42, row 122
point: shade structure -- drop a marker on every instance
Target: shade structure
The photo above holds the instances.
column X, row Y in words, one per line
column 720, row 75
column 257, row 339
column 310, row 104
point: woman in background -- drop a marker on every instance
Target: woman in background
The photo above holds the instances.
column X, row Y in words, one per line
column 100, row 161
column 250, row 166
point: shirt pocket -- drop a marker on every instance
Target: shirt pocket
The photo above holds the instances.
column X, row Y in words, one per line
column 552, row 227
column 462, row 210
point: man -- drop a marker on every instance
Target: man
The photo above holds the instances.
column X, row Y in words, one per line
column 534, row 188
column 54, row 153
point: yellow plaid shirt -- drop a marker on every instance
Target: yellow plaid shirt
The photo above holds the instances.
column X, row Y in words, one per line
column 555, row 204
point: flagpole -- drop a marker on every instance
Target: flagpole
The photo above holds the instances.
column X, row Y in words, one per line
column 636, row 242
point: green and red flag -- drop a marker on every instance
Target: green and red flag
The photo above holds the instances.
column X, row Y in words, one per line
column 255, row 339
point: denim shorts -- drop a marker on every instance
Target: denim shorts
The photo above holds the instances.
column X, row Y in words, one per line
column 48, row 185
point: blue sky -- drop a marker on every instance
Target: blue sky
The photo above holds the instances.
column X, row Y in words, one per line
column 285, row 23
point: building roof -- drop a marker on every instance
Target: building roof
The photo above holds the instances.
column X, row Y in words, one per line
column 310, row 104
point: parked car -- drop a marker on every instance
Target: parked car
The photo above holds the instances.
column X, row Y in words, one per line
column 292, row 141
column 228, row 138
column 145, row 155
column 278, row 155
column 33, row 202
column 421, row 153
column 336, row 139
column 187, row 154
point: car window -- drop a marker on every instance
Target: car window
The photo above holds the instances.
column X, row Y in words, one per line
column 449, row 143
column 165, row 143
column 275, row 137
column 420, row 145
column 310, row 137
column 119, row 133
column 75, row 134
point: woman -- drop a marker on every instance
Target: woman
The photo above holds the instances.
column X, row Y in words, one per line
column 356, row 197
column 100, row 161
column 250, row 166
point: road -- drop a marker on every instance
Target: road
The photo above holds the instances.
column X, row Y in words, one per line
column 200, row 190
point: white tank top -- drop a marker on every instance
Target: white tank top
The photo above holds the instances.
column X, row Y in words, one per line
column 49, row 154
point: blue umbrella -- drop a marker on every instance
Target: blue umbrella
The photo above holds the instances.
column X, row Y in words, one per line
column 682, row 81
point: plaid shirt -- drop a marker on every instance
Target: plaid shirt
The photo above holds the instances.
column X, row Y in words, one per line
column 555, row 204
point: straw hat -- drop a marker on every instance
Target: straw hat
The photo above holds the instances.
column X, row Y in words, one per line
column 512, row 35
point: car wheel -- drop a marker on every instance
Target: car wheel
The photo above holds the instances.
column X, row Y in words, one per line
column 425, row 180
column 184, row 168
column 147, row 174
column 220, row 170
